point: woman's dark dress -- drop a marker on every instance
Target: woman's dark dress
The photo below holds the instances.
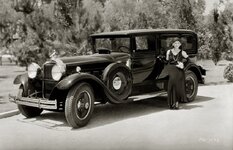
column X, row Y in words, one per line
column 176, row 82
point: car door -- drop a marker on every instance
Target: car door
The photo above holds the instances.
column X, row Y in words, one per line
column 164, row 44
column 143, row 57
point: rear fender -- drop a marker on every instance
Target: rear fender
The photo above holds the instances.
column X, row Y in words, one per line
column 197, row 70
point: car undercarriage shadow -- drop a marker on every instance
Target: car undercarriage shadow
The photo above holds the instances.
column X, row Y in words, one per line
column 105, row 114
column 192, row 105
column 50, row 120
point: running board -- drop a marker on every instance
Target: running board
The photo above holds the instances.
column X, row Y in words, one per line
column 146, row 96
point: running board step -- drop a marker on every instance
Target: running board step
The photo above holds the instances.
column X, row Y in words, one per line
column 146, row 96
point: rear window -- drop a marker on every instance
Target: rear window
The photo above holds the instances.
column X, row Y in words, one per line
column 188, row 43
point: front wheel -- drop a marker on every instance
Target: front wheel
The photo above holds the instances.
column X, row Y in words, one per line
column 79, row 105
column 191, row 86
column 27, row 111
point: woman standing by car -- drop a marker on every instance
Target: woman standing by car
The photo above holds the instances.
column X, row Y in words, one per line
column 176, row 58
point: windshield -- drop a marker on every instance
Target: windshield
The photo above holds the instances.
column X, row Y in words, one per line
column 113, row 44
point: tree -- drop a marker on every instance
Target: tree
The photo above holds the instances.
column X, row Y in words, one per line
column 151, row 14
column 84, row 19
column 8, row 19
column 220, row 25
column 65, row 10
column 65, row 25
column 119, row 15
column 37, row 28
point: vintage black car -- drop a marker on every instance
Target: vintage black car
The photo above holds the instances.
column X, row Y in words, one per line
column 123, row 65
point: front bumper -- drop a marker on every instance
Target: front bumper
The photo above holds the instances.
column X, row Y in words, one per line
column 34, row 102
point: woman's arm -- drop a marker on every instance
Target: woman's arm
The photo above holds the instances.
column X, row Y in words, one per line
column 167, row 54
column 183, row 61
column 184, row 54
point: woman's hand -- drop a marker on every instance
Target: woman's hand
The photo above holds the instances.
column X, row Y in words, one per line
column 180, row 65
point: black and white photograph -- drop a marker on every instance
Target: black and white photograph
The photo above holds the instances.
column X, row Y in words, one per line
column 116, row 74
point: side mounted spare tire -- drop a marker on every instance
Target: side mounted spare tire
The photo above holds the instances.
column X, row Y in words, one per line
column 118, row 79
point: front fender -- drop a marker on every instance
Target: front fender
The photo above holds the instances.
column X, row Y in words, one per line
column 23, row 80
column 73, row 79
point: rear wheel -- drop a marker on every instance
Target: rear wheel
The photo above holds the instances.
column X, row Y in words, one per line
column 79, row 105
column 191, row 86
column 27, row 111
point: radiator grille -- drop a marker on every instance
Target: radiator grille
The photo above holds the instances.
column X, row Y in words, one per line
column 48, row 82
column 47, row 70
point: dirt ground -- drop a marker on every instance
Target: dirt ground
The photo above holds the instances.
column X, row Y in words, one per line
column 9, row 71
column 214, row 74
column 7, row 75
column 205, row 124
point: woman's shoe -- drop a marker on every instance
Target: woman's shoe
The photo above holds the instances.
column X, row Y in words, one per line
column 177, row 105
column 170, row 107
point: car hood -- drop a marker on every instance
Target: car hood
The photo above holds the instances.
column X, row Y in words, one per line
column 95, row 59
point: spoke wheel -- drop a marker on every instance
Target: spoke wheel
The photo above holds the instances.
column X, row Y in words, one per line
column 79, row 105
column 83, row 105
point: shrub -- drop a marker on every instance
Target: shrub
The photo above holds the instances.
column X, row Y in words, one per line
column 228, row 73
column 228, row 56
column 204, row 52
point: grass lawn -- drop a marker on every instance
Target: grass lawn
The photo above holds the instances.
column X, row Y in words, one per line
column 9, row 71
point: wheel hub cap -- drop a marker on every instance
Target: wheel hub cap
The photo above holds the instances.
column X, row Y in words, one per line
column 86, row 105
column 117, row 83
column 79, row 104
column 83, row 105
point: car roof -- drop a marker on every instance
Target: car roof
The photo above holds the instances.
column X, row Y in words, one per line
column 140, row 32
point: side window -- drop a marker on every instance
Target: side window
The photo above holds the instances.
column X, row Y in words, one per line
column 145, row 43
column 188, row 42
column 165, row 44
column 141, row 43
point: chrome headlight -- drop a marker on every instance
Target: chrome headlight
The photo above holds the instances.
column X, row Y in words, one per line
column 33, row 69
column 58, row 70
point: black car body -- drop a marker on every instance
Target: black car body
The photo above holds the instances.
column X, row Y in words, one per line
column 123, row 65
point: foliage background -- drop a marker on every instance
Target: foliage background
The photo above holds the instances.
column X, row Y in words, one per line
column 32, row 29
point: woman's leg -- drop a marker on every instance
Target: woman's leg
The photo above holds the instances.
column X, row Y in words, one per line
column 173, row 85
column 181, row 91
column 179, row 88
column 171, row 93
